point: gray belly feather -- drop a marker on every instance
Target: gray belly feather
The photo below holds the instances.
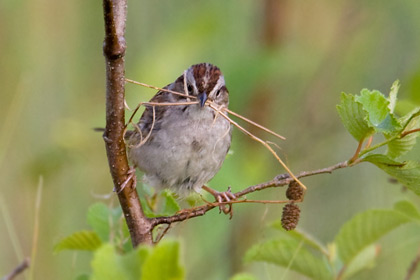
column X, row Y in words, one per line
column 186, row 151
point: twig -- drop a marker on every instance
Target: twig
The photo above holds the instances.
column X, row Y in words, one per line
column 357, row 152
column 158, row 88
column 284, row 179
column 19, row 269
column 369, row 142
column 142, row 141
column 153, row 104
column 115, row 14
column 169, row 103
column 388, row 140
column 186, row 103
column 255, row 124
column 405, row 133
column 278, row 181
column 341, row 272
column 252, row 201
column 413, row 266
column 162, row 234
column 185, row 85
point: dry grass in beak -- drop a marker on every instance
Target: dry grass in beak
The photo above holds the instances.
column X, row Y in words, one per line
column 220, row 110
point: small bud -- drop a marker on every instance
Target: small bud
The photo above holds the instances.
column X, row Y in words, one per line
column 294, row 191
column 290, row 217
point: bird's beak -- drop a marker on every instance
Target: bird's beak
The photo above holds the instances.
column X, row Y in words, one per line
column 202, row 98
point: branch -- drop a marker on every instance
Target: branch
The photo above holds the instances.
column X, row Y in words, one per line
column 19, row 269
column 278, row 181
column 409, row 132
column 115, row 14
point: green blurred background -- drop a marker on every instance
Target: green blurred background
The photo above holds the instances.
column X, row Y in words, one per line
column 285, row 64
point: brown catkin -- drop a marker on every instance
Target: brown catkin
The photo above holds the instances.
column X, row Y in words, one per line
column 294, row 191
column 290, row 217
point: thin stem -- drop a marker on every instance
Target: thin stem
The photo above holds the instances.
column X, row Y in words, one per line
column 19, row 269
column 168, row 103
column 255, row 124
column 142, row 141
column 190, row 96
column 278, row 181
column 357, row 152
column 402, row 135
column 369, row 142
column 374, row 147
column 341, row 273
column 405, row 133
column 253, row 201
column 158, row 88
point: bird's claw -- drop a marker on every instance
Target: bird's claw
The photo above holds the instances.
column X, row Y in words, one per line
column 223, row 199
column 131, row 175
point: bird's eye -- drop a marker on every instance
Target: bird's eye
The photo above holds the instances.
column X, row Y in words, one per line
column 218, row 93
column 190, row 89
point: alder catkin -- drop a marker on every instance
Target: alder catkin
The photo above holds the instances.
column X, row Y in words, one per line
column 294, row 191
column 290, row 217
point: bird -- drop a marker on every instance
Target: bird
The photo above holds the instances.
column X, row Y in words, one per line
column 182, row 147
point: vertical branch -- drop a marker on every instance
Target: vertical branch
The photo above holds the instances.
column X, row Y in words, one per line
column 115, row 14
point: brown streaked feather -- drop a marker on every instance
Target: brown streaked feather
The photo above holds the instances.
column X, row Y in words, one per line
column 213, row 73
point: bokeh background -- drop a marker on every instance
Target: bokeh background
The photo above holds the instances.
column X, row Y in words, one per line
column 285, row 63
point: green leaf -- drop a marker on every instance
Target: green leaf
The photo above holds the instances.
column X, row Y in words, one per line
column 146, row 209
column 104, row 220
column 171, row 206
column 400, row 146
column 379, row 116
column 83, row 277
column 364, row 229
column 98, row 218
column 163, row 263
column 406, row 119
column 382, row 159
column 82, row 240
column 164, row 205
column 364, row 260
column 105, row 264
column 292, row 254
column 407, row 173
column 243, row 276
column 299, row 235
column 133, row 261
column 353, row 117
column 108, row 264
column 393, row 96
column 407, row 208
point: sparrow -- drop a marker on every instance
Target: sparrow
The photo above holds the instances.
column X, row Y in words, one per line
column 182, row 147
